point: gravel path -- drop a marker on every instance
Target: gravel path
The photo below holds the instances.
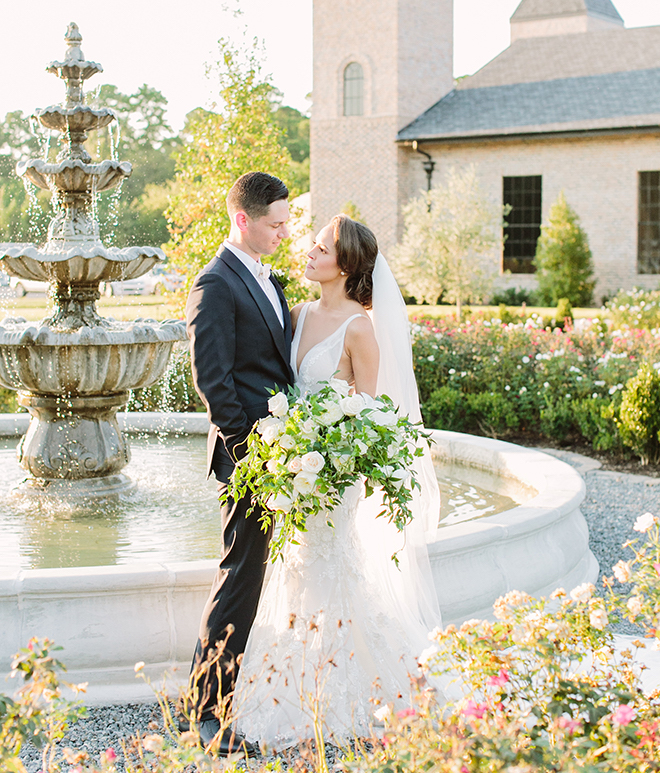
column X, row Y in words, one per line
column 614, row 500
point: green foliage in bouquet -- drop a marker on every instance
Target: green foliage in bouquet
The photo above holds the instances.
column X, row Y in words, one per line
column 301, row 459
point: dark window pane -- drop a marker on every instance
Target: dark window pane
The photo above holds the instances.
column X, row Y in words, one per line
column 648, row 228
column 523, row 227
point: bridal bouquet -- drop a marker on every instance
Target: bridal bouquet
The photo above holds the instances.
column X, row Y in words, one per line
column 301, row 459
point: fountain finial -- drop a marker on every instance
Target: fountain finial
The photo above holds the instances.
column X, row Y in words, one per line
column 75, row 69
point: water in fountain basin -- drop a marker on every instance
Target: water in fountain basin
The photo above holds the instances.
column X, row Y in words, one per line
column 172, row 515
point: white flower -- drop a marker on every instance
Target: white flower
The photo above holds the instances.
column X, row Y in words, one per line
column 525, row 359
column 384, row 418
column 343, row 463
column 361, row 447
column 644, row 522
column 287, row 442
column 304, row 483
column 332, row 413
column 270, row 429
column 278, row 405
column 272, row 465
column 340, row 386
column 383, row 713
column 635, row 605
column 622, row 571
column 352, row 405
column 583, row 592
column 153, row 743
column 312, row 462
column 400, row 477
column 309, row 430
column 598, row 618
column 280, row 502
column 294, row 465
column 427, row 655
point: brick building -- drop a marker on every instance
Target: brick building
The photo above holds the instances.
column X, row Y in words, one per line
column 572, row 104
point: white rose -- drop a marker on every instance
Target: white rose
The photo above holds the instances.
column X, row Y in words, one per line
column 278, row 405
column 343, row 463
column 384, row 418
column 361, row 447
column 352, row 405
column 644, row 522
column 635, row 605
column 272, row 431
column 332, row 413
column 304, row 483
column 280, row 502
column 312, row 462
column 426, row 655
column 340, row 386
column 622, row 571
column 583, row 592
column 287, row 442
column 294, row 465
column 598, row 618
column 272, row 465
column 270, row 421
column 309, row 430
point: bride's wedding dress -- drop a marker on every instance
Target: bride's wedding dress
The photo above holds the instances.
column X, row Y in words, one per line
column 338, row 627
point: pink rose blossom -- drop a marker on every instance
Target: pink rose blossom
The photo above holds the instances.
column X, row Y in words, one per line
column 110, row 755
column 623, row 715
column 405, row 713
column 572, row 725
column 474, row 710
column 500, row 680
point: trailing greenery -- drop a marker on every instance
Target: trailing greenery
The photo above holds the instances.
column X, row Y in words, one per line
column 564, row 268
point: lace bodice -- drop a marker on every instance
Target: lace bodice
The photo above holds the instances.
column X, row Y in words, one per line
column 322, row 360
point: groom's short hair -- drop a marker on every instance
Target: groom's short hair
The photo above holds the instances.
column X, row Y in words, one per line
column 254, row 192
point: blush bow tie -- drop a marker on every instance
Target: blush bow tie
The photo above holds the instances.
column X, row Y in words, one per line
column 263, row 271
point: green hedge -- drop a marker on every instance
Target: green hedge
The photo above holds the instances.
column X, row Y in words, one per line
column 506, row 380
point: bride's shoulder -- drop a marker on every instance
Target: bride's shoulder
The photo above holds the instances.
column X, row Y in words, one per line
column 295, row 312
column 360, row 330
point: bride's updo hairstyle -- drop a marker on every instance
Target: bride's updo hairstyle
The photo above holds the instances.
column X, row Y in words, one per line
column 357, row 249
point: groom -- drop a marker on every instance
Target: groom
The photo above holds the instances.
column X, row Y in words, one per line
column 240, row 337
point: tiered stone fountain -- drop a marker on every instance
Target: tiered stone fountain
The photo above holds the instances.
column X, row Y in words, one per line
column 74, row 369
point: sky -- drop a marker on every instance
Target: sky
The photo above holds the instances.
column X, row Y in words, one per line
column 167, row 45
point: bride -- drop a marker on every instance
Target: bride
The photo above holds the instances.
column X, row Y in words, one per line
column 339, row 627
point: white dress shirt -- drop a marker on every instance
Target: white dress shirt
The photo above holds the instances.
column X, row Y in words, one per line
column 265, row 284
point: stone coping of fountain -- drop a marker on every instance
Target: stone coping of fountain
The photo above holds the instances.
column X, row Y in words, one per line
column 109, row 618
column 17, row 332
column 78, row 118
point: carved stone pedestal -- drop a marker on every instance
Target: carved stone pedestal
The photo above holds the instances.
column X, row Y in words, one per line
column 73, row 447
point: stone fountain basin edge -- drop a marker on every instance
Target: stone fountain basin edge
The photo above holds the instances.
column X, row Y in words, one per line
column 109, row 618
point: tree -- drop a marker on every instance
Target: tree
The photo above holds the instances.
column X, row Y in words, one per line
column 241, row 136
column 294, row 126
column 446, row 233
column 563, row 259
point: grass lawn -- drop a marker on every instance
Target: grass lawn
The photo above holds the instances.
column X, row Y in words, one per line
column 35, row 306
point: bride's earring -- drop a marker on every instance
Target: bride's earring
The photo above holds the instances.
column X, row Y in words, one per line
column 343, row 273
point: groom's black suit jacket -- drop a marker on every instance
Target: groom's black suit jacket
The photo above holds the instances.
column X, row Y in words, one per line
column 239, row 350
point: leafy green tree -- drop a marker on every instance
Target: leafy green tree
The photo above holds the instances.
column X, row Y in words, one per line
column 240, row 137
column 564, row 268
column 447, row 231
column 294, row 126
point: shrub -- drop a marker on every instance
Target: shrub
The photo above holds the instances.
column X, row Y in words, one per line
column 512, row 296
column 635, row 308
column 639, row 416
column 563, row 259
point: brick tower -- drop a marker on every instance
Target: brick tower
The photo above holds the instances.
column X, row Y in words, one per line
column 378, row 64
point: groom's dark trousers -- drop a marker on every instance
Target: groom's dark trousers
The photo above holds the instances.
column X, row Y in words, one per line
column 239, row 350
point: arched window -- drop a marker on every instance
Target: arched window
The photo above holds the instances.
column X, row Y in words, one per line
column 353, row 89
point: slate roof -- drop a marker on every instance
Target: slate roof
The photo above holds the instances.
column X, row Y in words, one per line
column 544, row 9
column 618, row 100
column 570, row 56
column 606, row 80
